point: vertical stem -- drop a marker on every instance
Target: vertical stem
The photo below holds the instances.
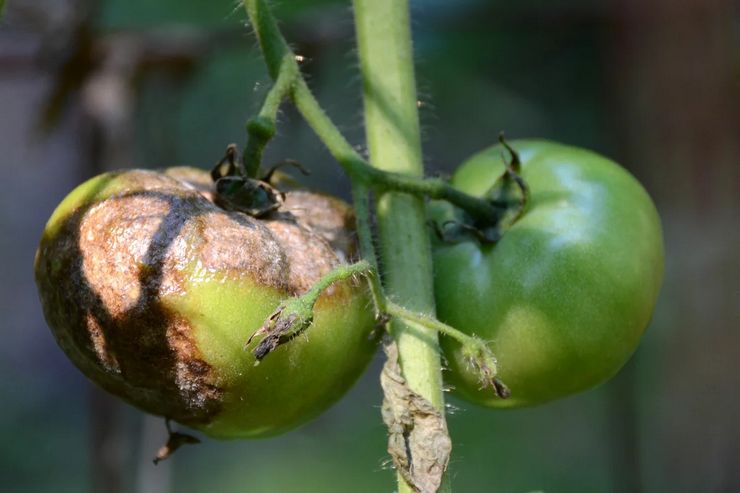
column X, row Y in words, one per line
column 392, row 128
column 273, row 46
column 360, row 201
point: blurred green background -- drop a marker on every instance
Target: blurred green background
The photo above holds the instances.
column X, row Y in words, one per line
column 87, row 86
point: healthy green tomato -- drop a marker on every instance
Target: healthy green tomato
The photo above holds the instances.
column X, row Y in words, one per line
column 565, row 295
column 152, row 291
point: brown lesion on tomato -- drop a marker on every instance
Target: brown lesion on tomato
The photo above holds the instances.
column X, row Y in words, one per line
column 99, row 344
column 233, row 245
column 196, row 178
column 329, row 217
column 105, row 272
column 193, row 375
column 101, row 280
column 307, row 255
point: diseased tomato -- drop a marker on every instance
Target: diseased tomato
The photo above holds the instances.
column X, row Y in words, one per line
column 152, row 290
column 566, row 293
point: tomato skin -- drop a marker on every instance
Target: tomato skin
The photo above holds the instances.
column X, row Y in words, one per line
column 152, row 291
column 566, row 294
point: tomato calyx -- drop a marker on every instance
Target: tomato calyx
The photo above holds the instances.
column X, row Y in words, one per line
column 509, row 195
column 510, row 191
column 236, row 191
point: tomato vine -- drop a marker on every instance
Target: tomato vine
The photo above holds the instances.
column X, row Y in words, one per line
column 402, row 224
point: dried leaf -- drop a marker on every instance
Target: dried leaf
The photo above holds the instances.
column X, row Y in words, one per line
column 418, row 441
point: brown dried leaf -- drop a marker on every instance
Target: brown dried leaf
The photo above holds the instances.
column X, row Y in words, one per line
column 418, row 441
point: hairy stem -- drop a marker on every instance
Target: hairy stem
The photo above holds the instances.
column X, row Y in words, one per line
column 393, row 137
column 277, row 53
column 427, row 322
column 273, row 45
column 361, row 203
column 384, row 42
column 382, row 179
column 295, row 315
column 339, row 273
column 262, row 128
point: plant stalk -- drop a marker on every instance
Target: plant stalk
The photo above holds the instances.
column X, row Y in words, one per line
column 393, row 138
column 386, row 59
column 279, row 59
column 262, row 128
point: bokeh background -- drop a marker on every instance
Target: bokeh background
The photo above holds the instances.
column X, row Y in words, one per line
column 87, row 86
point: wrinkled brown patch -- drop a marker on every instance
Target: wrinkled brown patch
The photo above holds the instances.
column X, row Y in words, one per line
column 101, row 280
column 329, row 217
column 307, row 255
column 418, row 441
column 97, row 337
column 196, row 178
column 234, row 245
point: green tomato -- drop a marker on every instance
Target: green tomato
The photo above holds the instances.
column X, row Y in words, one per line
column 566, row 293
column 152, row 290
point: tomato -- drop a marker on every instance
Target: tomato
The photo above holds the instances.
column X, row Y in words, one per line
column 152, row 291
column 566, row 293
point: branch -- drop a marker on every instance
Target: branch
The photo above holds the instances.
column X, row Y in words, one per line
column 280, row 59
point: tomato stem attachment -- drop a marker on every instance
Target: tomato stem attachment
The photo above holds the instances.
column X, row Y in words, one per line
column 513, row 174
column 269, row 174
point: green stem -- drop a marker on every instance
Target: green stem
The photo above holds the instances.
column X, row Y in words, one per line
column 273, row 45
column 295, row 315
column 339, row 273
column 361, row 203
column 434, row 188
column 360, row 169
column 393, row 137
column 277, row 53
column 427, row 322
column 262, row 128
column 475, row 350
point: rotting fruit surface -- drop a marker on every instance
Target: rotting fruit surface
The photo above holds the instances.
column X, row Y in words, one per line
column 152, row 290
column 567, row 291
